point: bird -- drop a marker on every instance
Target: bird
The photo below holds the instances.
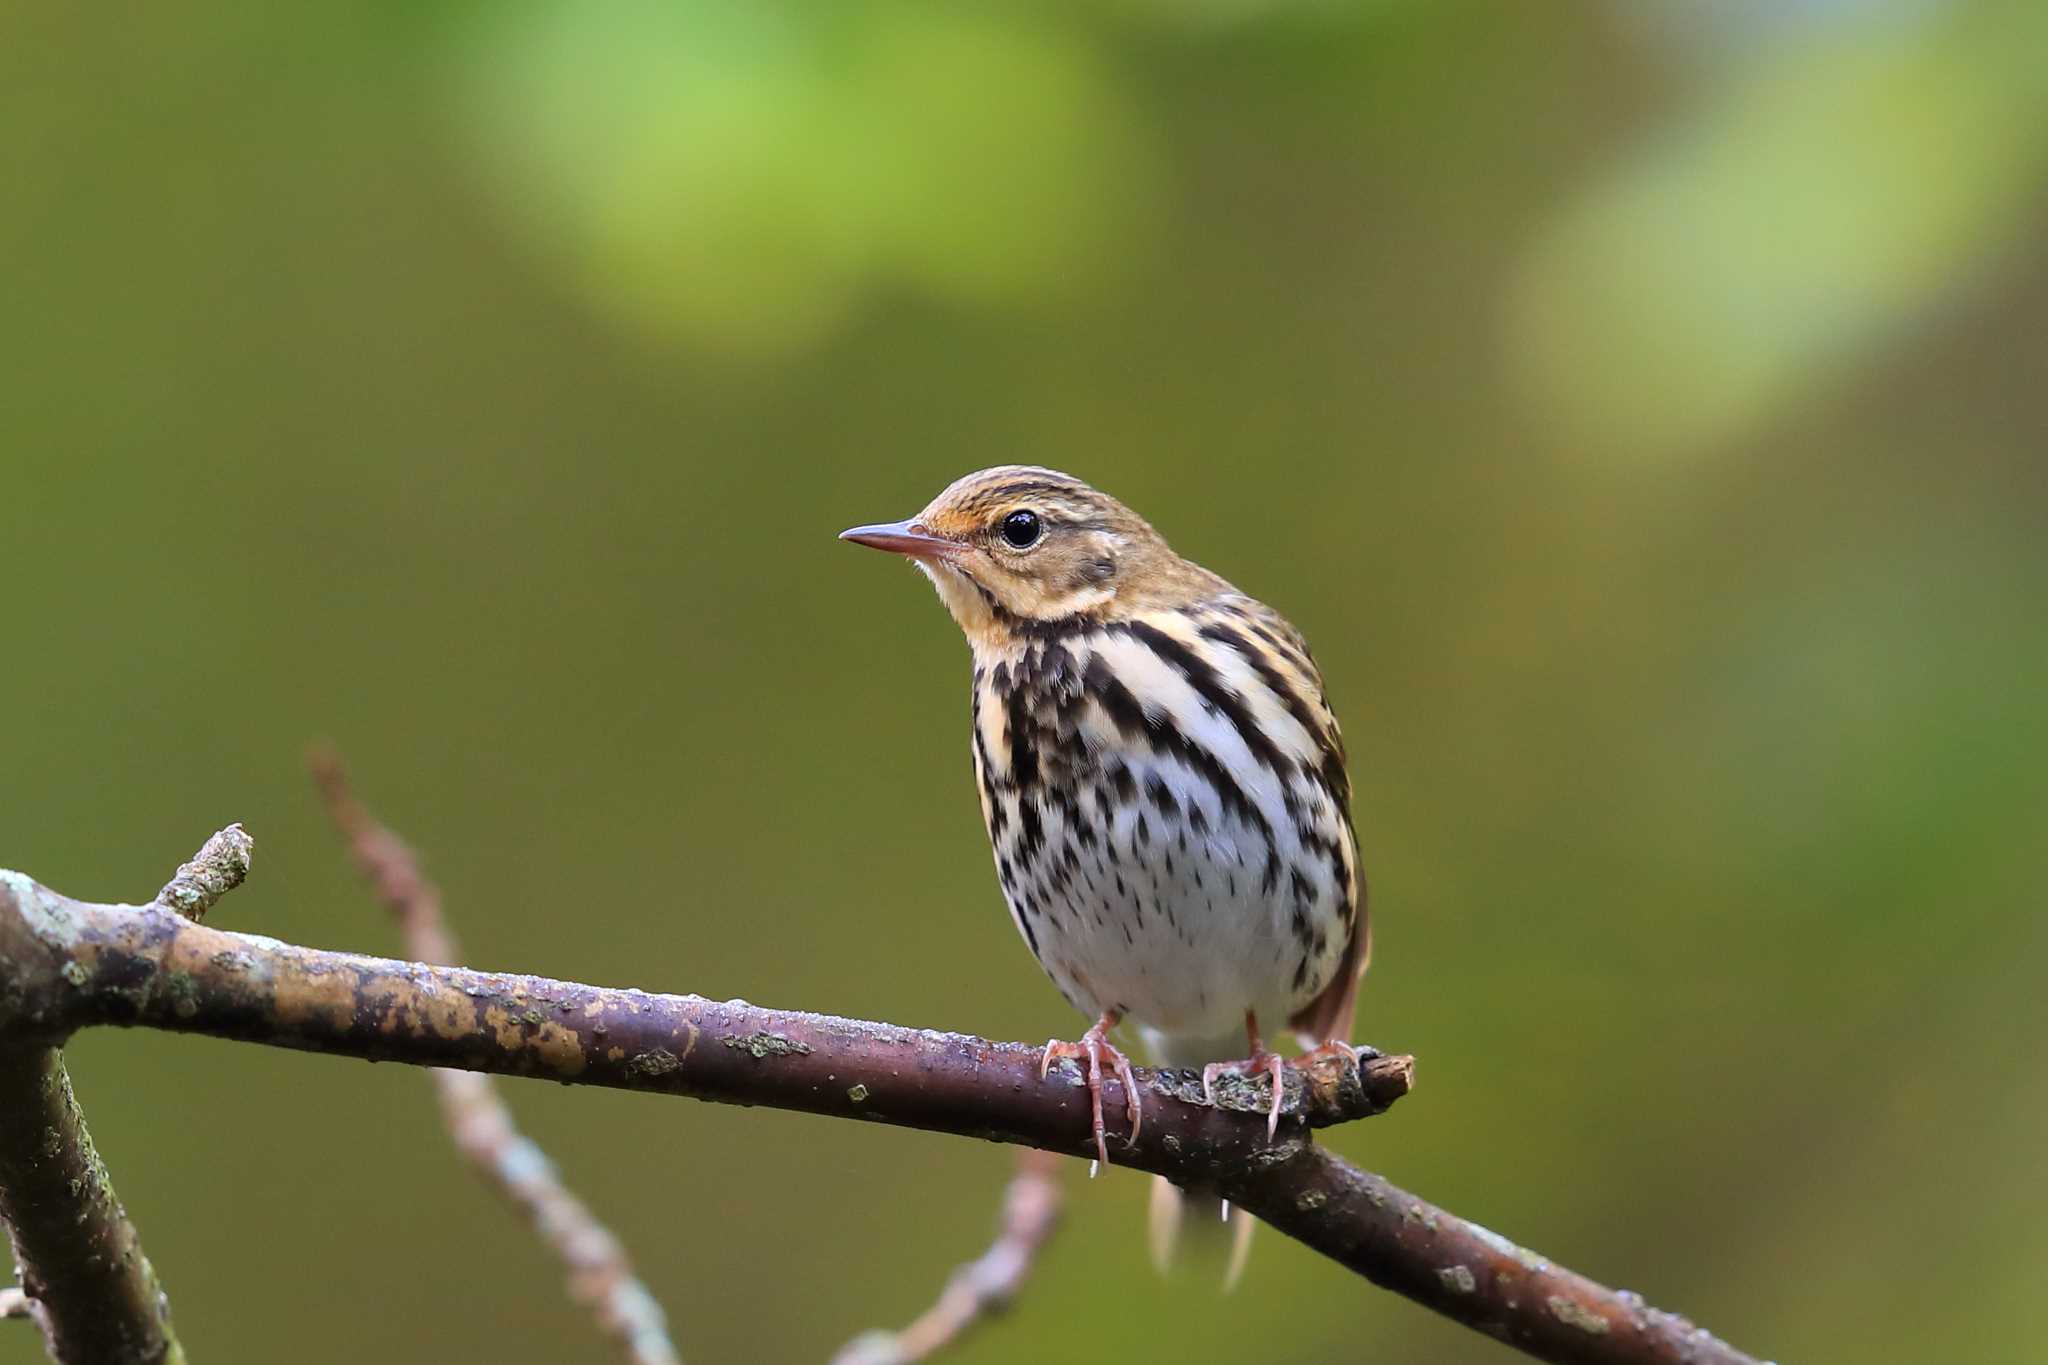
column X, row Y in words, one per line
column 1162, row 778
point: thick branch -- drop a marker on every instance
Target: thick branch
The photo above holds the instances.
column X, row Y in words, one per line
column 85, row 1281
column 72, row 964
column 66, row 965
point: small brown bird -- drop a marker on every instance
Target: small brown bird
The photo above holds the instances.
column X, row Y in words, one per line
column 1162, row 778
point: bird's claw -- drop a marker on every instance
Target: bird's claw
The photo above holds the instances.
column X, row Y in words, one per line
column 1275, row 1067
column 1092, row 1048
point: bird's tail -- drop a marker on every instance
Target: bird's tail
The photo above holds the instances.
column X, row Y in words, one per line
column 1200, row 1223
column 1195, row 1222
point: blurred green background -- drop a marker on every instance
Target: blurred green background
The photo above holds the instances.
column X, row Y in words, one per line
column 1640, row 406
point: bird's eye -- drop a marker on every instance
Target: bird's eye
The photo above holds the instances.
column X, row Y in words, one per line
column 1022, row 529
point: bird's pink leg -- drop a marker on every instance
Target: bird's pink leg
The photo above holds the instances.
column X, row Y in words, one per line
column 1094, row 1045
column 1272, row 1063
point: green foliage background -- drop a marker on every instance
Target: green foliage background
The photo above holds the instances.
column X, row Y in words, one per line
column 1641, row 407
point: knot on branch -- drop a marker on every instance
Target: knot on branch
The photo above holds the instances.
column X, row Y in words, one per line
column 1323, row 1089
column 216, row 869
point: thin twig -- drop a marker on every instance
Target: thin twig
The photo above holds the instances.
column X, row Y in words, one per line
column 219, row 866
column 601, row 1276
column 984, row 1286
column 68, row 964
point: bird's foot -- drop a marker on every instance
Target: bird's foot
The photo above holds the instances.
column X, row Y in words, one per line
column 1093, row 1048
column 1329, row 1074
column 1272, row 1063
column 1332, row 1049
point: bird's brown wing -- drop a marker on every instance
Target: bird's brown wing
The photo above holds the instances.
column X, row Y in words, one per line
column 1328, row 1016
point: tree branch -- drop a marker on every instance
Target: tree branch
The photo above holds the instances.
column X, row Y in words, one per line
column 85, row 1281
column 66, row 965
column 601, row 1276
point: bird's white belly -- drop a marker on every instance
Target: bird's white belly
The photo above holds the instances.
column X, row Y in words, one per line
column 1170, row 909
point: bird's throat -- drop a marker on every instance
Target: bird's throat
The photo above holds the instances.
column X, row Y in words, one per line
column 966, row 601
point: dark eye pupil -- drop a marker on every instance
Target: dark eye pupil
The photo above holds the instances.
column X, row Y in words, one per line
column 1021, row 528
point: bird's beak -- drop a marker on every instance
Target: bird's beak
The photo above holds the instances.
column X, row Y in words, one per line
column 903, row 538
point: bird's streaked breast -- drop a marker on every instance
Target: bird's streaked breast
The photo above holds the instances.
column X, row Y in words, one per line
column 1166, row 801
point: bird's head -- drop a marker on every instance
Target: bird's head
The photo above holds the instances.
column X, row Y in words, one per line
column 1017, row 545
